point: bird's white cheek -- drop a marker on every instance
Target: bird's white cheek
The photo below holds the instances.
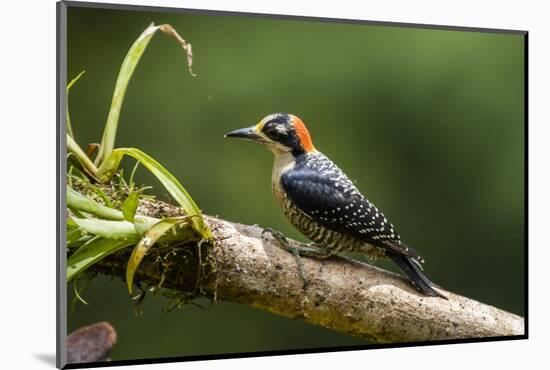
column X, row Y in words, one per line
column 277, row 149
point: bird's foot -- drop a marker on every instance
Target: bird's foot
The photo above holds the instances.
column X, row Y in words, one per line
column 279, row 236
column 297, row 250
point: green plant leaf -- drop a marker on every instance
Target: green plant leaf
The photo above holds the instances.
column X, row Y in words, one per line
column 71, row 224
column 74, row 80
column 131, row 184
column 69, row 85
column 125, row 74
column 130, row 206
column 77, row 292
column 74, row 173
column 74, row 244
column 86, row 162
column 80, row 202
column 146, row 242
column 176, row 190
column 91, row 252
column 74, row 235
column 118, row 230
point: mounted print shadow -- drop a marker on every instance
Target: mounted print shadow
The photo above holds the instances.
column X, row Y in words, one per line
column 242, row 185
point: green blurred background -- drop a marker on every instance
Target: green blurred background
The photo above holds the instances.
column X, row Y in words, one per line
column 429, row 123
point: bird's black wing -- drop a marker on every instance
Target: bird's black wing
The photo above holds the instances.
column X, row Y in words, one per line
column 334, row 202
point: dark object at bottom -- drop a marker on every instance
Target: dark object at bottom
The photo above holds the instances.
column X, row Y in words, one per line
column 91, row 343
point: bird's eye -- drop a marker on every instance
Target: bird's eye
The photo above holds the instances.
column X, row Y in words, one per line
column 276, row 131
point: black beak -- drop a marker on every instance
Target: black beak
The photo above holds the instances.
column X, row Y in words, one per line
column 244, row 133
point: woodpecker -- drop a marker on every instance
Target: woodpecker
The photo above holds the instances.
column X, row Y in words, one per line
column 324, row 204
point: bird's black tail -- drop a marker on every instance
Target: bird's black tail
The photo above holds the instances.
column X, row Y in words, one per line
column 415, row 274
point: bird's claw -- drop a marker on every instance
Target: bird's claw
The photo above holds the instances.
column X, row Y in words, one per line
column 279, row 236
column 286, row 245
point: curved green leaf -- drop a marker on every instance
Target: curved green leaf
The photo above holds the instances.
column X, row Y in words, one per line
column 87, row 164
column 172, row 185
column 119, row 230
column 124, row 75
column 93, row 251
column 69, row 85
column 146, row 242
column 80, row 202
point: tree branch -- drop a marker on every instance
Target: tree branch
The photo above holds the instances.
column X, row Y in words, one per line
column 342, row 294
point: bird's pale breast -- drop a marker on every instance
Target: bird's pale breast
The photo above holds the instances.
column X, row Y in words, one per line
column 318, row 233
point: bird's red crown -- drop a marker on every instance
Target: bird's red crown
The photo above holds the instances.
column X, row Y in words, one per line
column 303, row 134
